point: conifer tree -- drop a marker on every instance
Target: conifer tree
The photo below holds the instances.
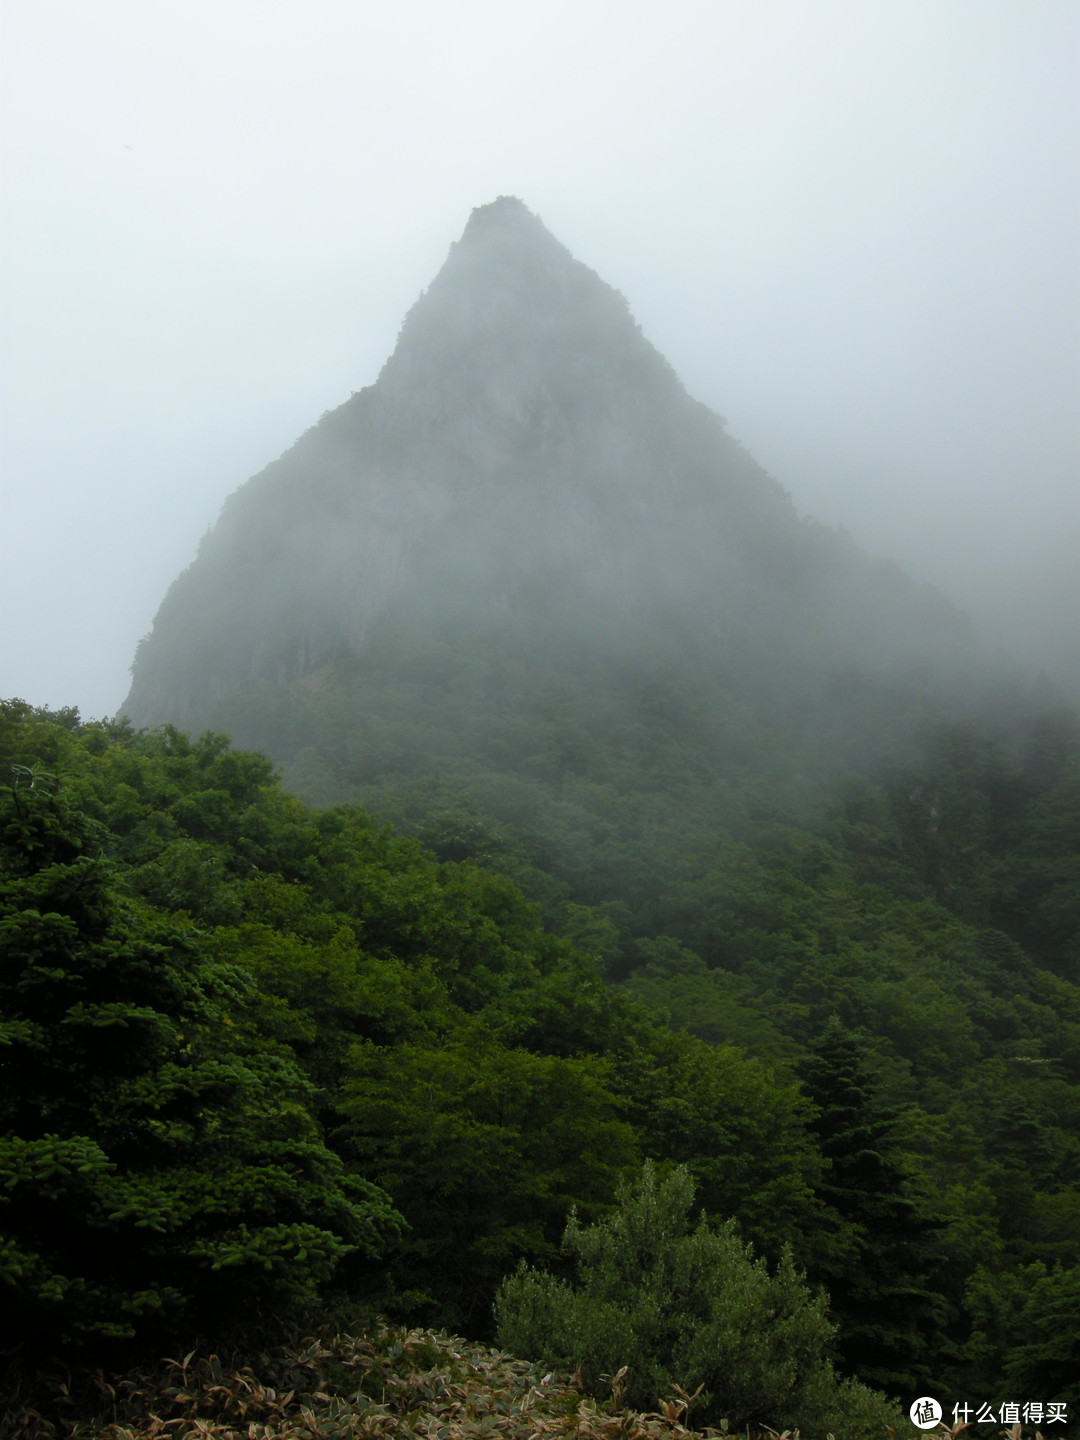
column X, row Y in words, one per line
column 877, row 1262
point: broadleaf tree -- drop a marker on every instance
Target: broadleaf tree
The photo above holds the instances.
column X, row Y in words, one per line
column 159, row 1165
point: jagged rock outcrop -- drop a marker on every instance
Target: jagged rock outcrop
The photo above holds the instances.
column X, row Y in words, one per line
column 527, row 473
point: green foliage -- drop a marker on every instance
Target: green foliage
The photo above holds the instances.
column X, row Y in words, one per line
column 473, row 1065
column 485, row 1149
column 711, row 1003
column 158, row 1163
column 739, row 1128
column 221, row 988
column 881, row 1250
column 1026, row 1331
column 679, row 1304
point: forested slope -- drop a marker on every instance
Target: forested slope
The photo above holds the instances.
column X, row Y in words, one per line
column 246, row 1040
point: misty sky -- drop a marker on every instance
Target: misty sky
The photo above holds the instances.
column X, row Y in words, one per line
column 853, row 226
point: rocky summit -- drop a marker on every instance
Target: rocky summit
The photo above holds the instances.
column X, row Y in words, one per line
column 526, row 485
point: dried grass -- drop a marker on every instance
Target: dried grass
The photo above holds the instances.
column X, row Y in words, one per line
column 394, row 1383
column 397, row 1383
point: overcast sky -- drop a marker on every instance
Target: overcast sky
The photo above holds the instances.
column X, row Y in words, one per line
column 853, row 226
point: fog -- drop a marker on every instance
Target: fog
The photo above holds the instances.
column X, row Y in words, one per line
column 852, row 229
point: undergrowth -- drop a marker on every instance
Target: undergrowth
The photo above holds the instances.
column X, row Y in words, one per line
column 395, row 1383
column 398, row 1383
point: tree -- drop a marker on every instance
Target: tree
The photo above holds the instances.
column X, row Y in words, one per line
column 688, row 1305
column 159, row 1167
column 1026, row 1332
column 740, row 1128
column 485, row 1148
column 880, row 1252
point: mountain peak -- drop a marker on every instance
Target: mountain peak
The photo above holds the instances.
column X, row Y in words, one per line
column 512, row 317
column 507, row 228
column 526, row 458
column 506, row 213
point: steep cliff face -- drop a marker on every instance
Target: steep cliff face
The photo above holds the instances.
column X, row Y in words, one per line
column 527, row 475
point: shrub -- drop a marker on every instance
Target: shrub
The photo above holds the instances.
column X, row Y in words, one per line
column 686, row 1305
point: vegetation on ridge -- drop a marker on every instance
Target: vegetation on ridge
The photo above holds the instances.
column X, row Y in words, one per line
column 230, row 1019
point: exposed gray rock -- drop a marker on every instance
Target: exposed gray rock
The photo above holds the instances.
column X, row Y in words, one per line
column 525, row 450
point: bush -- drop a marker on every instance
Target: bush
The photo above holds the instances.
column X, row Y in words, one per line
column 689, row 1306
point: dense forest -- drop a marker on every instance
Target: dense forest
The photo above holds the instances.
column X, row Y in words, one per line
column 264, row 1060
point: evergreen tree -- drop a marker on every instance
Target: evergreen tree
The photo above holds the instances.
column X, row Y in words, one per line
column 877, row 1262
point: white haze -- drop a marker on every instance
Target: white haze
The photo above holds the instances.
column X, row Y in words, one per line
column 853, row 228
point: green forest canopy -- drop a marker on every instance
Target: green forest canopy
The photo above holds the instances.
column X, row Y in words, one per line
column 254, row 1050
